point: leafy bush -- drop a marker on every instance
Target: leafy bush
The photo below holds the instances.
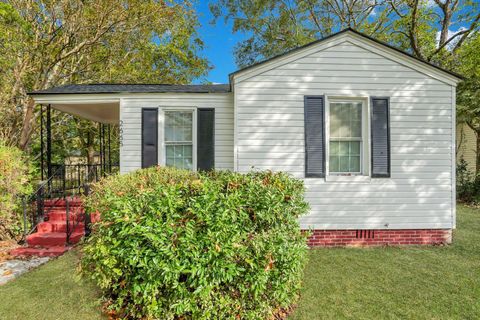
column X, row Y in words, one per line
column 174, row 244
column 468, row 185
column 14, row 182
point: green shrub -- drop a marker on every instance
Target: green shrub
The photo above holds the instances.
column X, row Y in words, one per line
column 467, row 185
column 174, row 244
column 14, row 182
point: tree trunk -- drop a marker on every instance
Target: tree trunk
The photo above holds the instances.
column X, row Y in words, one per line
column 90, row 156
column 477, row 164
column 27, row 124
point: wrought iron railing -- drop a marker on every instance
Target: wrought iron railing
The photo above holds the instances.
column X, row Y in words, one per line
column 66, row 182
column 70, row 178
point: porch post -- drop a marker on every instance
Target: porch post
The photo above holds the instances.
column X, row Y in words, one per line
column 109, row 151
column 101, row 147
column 42, row 165
column 49, row 141
column 104, row 150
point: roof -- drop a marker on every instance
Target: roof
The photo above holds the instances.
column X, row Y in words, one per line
column 134, row 88
column 456, row 75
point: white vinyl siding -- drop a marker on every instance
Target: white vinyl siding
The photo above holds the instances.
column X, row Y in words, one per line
column 130, row 117
column 270, row 135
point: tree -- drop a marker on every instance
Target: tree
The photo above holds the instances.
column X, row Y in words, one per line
column 420, row 26
column 45, row 43
column 434, row 30
column 468, row 97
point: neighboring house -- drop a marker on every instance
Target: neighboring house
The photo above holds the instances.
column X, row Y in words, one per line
column 370, row 129
column 467, row 146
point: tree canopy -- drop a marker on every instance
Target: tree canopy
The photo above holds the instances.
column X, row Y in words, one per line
column 45, row 43
column 429, row 29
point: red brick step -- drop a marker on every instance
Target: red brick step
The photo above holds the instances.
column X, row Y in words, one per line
column 53, row 239
column 50, row 239
column 39, row 251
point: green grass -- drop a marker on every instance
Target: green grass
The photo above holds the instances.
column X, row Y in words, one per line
column 377, row 283
column 397, row 283
column 51, row 291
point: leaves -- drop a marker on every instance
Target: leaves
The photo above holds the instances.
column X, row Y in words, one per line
column 429, row 30
column 45, row 43
column 15, row 174
column 190, row 248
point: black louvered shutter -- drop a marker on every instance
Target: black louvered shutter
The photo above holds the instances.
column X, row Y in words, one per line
column 205, row 139
column 149, row 137
column 380, row 131
column 314, row 115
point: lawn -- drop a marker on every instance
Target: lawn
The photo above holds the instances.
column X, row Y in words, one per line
column 378, row 283
column 397, row 283
column 51, row 291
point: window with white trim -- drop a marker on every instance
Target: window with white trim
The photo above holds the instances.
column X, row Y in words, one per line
column 346, row 137
column 179, row 139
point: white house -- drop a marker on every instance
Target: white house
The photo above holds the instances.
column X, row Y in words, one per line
column 370, row 129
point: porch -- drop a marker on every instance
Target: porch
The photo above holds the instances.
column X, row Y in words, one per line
column 53, row 215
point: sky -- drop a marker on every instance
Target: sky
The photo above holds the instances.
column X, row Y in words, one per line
column 219, row 44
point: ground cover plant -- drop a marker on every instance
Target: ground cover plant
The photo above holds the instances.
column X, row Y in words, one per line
column 174, row 244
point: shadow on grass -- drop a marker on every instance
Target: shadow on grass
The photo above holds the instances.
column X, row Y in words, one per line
column 52, row 291
column 423, row 282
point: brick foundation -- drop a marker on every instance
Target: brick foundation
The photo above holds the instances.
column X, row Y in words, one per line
column 342, row 238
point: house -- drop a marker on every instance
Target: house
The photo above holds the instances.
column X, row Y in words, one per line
column 370, row 129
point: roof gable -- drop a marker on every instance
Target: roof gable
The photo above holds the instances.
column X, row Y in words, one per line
column 358, row 39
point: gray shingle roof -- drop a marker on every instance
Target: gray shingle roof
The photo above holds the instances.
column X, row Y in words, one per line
column 135, row 88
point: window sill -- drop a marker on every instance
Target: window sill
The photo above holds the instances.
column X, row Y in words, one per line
column 355, row 179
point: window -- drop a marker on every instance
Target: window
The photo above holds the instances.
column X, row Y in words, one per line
column 179, row 139
column 345, row 142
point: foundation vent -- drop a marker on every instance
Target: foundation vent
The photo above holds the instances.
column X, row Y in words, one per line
column 365, row 234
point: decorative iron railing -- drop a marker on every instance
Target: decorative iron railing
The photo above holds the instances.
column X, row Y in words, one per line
column 66, row 182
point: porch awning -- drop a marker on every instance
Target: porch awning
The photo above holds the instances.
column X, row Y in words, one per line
column 101, row 102
column 101, row 109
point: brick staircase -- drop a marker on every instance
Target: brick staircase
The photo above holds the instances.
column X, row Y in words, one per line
column 50, row 239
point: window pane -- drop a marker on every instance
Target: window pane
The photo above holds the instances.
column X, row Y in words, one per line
column 355, row 148
column 355, row 164
column 188, row 151
column 356, row 129
column 178, row 126
column 334, row 147
column 345, row 120
column 170, row 151
column 344, row 165
column 343, row 148
column 334, row 164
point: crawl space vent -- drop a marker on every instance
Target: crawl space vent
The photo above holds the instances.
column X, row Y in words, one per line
column 365, row 234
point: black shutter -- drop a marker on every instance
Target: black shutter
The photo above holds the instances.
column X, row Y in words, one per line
column 314, row 136
column 205, row 139
column 149, row 137
column 380, row 130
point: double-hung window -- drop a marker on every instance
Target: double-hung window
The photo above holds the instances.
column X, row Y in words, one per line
column 179, row 145
column 345, row 137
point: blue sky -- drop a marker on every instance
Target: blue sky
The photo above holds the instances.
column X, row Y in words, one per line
column 219, row 44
